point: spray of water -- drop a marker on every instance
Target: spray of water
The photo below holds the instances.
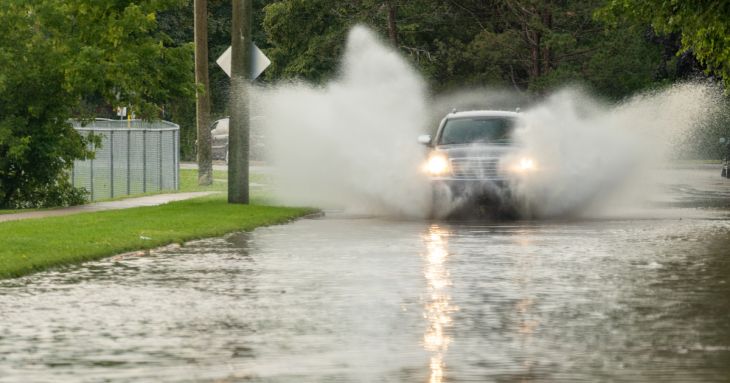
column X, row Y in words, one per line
column 351, row 143
column 593, row 158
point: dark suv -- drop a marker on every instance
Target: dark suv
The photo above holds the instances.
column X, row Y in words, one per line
column 472, row 157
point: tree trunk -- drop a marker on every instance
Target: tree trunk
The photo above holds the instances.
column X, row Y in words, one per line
column 534, row 42
column 392, row 26
column 547, row 22
column 9, row 194
column 238, row 128
column 205, row 160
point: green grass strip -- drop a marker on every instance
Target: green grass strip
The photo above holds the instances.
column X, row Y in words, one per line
column 33, row 245
column 188, row 183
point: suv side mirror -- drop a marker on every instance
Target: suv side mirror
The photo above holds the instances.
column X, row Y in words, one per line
column 424, row 139
column 723, row 140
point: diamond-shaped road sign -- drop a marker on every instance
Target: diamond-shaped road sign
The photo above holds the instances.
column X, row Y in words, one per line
column 259, row 61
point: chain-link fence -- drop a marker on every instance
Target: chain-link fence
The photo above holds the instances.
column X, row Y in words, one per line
column 134, row 157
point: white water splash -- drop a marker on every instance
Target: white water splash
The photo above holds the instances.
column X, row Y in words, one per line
column 595, row 158
column 351, row 143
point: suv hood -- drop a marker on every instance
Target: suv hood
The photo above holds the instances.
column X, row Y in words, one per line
column 476, row 150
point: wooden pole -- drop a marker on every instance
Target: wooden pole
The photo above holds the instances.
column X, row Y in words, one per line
column 202, row 106
column 392, row 25
column 238, row 131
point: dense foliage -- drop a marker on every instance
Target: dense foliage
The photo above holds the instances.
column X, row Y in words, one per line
column 704, row 26
column 178, row 24
column 528, row 45
column 531, row 46
column 56, row 55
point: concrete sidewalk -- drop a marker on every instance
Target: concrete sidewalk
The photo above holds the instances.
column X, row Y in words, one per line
column 254, row 166
column 152, row 200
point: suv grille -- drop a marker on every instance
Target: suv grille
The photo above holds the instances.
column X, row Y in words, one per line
column 475, row 168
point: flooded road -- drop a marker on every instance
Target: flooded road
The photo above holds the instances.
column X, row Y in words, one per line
column 362, row 299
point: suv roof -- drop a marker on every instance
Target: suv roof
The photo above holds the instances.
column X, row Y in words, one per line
column 483, row 113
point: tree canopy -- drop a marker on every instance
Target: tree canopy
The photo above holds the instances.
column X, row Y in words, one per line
column 57, row 53
column 702, row 25
column 527, row 45
column 532, row 46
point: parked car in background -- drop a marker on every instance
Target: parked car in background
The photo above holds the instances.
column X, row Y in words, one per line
column 219, row 139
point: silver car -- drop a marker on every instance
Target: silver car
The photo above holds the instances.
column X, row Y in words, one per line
column 472, row 157
column 219, row 139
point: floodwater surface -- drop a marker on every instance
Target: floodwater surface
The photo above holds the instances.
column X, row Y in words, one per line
column 361, row 299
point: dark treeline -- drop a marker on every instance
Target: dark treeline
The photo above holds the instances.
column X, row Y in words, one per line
column 528, row 46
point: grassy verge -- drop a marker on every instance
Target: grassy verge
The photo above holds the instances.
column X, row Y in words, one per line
column 188, row 183
column 29, row 246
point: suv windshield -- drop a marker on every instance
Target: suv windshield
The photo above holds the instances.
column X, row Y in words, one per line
column 495, row 130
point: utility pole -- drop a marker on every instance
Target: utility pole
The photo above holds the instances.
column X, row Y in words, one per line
column 202, row 106
column 392, row 25
column 238, row 128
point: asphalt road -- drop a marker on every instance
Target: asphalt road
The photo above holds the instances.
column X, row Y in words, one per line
column 641, row 296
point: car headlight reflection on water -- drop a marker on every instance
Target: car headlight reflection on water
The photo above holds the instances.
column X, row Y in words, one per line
column 437, row 165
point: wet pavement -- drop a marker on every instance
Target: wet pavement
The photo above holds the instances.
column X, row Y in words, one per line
column 362, row 299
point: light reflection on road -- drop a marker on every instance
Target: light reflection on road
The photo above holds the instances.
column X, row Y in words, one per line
column 353, row 299
column 438, row 307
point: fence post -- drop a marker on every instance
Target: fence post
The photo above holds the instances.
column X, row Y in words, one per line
column 175, row 166
column 144, row 161
column 92, row 175
column 111, row 163
column 159, row 154
column 129, row 166
column 177, row 157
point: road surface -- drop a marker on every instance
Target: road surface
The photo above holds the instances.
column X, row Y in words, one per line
column 636, row 298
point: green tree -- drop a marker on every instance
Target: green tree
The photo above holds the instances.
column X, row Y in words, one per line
column 703, row 26
column 54, row 53
column 532, row 46
column 177, row 23
column 306, row 37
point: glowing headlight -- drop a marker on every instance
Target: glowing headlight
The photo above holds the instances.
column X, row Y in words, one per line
column 525, row 165
column 437, row 165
